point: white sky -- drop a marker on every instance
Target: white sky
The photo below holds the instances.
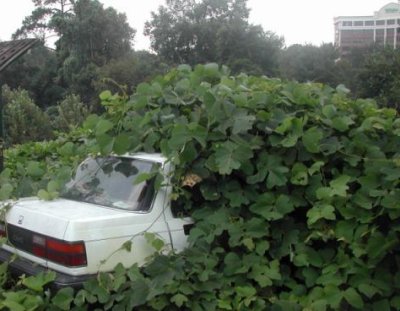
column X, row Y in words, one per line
column 307, row 21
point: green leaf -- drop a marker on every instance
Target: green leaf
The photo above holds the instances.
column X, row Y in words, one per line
column 183, row 133
column 249, row 243
column 245, row 291
column 103, row 126
column 329, row 111
column 6, row 191
column 12, row 305
column 37, row 282
column 105, row 95
column 382, row 305
column 321, row 211
column 272, row 167
column 392, row 200
column 312, row 139
column 34, row 170
column 353, row 298
column 339, row 185
column 368, row 290
column 127, row 246
column 158, row 244
column 68, row 149
column 180, row 135
column 53, row 186
column 316, row 167
column 342, row 123
column 224, row 304
column 299, row 174
column 44, row 195
column 63, row 298
column 233, row 264
column 142, row 177
column 179, row 299
column 211, row 70
column 91, row 122
column 230, row 156
column 154, row 241
column 324, row 193
column 345, row 230
column 105, row 143
column 121, row 144
column 242, row 122
column 342, row 89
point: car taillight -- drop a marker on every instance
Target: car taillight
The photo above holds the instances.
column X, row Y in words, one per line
column 72, row 254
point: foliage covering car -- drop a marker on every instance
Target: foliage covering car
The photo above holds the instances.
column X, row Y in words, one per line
column 102, row 217
column 294, row 192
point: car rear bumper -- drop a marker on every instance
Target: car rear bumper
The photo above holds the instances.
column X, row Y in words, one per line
column 21, row 266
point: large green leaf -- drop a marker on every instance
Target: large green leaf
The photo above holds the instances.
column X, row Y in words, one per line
column 321, row 211
column 312, row 139
column 353, row 298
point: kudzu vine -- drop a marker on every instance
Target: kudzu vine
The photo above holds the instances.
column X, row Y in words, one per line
column 294, row 189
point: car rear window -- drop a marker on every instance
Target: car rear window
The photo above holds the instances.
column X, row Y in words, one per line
column 110, row 181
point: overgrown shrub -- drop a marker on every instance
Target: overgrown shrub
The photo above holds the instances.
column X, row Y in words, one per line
column 294, row 189
column 23, row 120
column 68, row 114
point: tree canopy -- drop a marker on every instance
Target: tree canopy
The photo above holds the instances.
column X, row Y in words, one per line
column 49, row 16
column 380, row 77
column 192, row 32
column 89, row 37
column 310, row 63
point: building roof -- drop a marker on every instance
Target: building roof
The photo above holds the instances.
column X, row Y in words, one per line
column 11, row 50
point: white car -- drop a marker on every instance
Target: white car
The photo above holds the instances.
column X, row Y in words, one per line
column 81, row 233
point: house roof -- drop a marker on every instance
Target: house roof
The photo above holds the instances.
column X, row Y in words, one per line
column 11, row 50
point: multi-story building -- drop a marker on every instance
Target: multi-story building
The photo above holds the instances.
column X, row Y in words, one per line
column 382, row 28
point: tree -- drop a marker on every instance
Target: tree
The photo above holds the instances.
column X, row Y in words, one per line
column 128, row 71
column 48, row 16
column 89, row 35
column 310, row 63
column 380, row 77
column 187, row 31
column 350, row 64
column 36, row 73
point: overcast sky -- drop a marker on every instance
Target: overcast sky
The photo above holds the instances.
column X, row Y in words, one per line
column 307, row 21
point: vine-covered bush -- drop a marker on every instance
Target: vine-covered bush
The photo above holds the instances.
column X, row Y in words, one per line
column 294, row 189
column 69, row 114
column 24, row 121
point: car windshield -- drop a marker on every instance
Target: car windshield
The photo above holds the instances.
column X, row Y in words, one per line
column 109, row 181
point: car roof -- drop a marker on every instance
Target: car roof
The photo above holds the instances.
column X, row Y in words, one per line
column 153, row 157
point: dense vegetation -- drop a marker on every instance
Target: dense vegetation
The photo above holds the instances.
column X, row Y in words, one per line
column 294, row 189
column 94, row 51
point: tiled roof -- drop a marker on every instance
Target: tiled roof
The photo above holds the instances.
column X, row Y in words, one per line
column 11, row 50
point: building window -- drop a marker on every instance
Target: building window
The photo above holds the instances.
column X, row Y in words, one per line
column 347, row 23
column 369, row 23
column 358, row 23
column 390, row 22
column 380, row 23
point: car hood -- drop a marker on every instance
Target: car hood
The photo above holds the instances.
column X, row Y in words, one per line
column 53, row 217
